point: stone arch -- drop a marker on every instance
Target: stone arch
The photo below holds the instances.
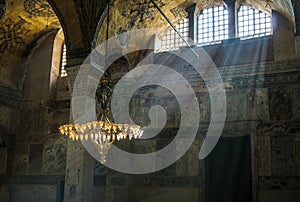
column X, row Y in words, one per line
column 79, row 21
column 40, row 68
column 71, row 27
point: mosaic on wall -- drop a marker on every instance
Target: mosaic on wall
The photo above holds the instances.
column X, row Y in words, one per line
column 12, row 35
column 23, row 21
column 141, row 11
column 38, row 8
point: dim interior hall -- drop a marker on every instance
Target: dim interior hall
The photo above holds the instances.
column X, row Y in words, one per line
column 149, row 100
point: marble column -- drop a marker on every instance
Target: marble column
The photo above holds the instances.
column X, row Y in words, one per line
column 192, row 23
column 231, row 18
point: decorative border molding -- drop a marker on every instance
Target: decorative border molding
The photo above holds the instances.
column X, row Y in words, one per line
column 264, row 68
column 279, row 128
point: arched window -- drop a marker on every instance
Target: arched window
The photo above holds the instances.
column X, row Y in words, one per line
column 253, row 23
column 63, row 72
column 212, row 25
column 171, row 40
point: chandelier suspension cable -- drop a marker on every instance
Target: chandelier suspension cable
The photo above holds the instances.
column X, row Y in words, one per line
column 107, row 28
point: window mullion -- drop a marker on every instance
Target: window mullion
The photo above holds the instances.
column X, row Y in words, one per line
column 231, row 18
column 213, row 23
column 253, row 20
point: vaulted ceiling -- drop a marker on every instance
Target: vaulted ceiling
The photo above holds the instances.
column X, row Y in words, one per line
column 26, row 20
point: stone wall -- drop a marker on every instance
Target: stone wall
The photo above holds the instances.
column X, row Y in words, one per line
column 262, row 106
column 263, row 95
column 33, row 155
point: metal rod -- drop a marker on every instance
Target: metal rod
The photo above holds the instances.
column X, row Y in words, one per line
column 167, row 19
column 107, row 28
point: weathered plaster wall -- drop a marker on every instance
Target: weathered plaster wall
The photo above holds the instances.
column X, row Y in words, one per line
column 34, row 157
column 262, row 104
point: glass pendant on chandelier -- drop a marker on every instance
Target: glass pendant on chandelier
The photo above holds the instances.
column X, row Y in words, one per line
column 102, row 132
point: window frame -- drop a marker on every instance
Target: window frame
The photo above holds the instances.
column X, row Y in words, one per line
column 172, row 41
column 226, row 24
column 231, row 26
column 255, row 34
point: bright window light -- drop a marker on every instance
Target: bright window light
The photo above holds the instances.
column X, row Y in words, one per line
column 253, row 23
column 172, row 40
column 212, row 25
column 63, row 72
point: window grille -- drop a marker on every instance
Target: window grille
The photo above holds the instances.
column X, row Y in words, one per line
column 63, row 72
column 212, row 25
column 172, row 40
column 253, row 23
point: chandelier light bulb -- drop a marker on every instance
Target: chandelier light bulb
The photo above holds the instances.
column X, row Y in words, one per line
column 102, row 134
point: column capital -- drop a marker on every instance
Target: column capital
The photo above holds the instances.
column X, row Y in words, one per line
column 191, row 9
column 229, row 2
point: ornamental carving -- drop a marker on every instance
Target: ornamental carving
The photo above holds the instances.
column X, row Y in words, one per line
column 279, row 128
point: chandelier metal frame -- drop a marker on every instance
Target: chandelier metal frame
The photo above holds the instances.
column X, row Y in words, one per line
column 102, row 132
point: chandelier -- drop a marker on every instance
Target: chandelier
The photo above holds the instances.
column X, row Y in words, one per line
column 102, row 132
